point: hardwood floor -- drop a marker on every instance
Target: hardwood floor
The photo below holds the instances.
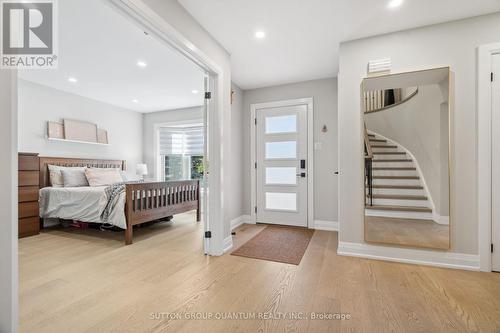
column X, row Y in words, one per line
column 87, row 281
column 409, row 232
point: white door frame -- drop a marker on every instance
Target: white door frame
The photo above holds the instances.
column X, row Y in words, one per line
column 170, row 37
column 310, row 153
column 484, row 144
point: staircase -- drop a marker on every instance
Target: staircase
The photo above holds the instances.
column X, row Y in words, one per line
column 397, row 190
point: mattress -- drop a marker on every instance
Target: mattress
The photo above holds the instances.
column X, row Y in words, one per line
column 84, row 204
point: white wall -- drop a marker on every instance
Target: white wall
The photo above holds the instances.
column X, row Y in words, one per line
column 178, row 18
column 8, row 203
column 452, row 44
column 39, row 104
column 237, row 154
column 149, row 136
column 324, row 93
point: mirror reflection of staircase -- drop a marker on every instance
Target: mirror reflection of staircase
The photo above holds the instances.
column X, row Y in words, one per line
column 397, row 189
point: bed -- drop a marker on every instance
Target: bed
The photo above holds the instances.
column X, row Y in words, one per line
column 138, row 203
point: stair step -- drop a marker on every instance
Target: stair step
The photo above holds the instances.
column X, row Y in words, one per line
column 400, row 187
column 371, row 135
column 377, row 140
column 396, row 177
column 395, row 168
column 389, row 153
column 401, row 208
column 399, row 197
column 382, row 161
column 383, row 146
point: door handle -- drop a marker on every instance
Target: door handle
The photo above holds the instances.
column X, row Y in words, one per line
column 302, row 175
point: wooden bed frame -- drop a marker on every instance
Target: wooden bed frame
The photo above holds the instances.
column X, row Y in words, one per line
column 146, row 201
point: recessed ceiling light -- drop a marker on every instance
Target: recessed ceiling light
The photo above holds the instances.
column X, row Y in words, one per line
column 141, row 63
column 135, row 100
column 260, row 34
column 72, row 79
column 394, row 4
column 195, row 91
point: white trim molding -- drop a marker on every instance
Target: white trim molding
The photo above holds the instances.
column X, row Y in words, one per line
column 310, row 152
column 326, row 225
column 240, row 220
column 410, row 256
column 218, row 138
column 228, row 243
column 484, row 157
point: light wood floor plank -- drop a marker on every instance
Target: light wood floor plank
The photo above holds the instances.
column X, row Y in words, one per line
column 87, row 281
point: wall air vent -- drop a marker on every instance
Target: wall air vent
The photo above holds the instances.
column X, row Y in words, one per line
column 379, row 66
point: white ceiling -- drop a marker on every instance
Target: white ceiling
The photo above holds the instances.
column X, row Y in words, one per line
column 100, row 48
column 303, row 36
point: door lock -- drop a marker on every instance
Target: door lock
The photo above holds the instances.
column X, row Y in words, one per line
column 302, row 175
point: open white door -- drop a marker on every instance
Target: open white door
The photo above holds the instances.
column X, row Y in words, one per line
column 495, row 160
column 281, row 163
column 205, row 182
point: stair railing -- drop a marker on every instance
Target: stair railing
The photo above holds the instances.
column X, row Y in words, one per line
column 376, row 101
column 368, row 169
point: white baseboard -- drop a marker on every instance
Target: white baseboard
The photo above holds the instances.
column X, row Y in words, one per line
column 445, row 220
column 228, row 243
column 410, row 256
column 326, row 225
column 399, row 214
column 239, row 221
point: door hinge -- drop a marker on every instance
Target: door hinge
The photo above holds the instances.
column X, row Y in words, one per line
column 491, row 247
column 255, row 209
column 208, row 95
column 492, row 76
column 255, row 121
column 208, row 234
column 255, row 165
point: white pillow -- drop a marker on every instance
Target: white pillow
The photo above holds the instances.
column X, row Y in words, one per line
column 55, row 174
column 103, row 177
column 74, row 177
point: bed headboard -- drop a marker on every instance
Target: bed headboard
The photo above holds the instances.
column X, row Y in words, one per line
column 74, row 162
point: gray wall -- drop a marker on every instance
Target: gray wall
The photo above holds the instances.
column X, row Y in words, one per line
column 452, row 44
column 38, row 104
column 161, row 117
column 324, row 93
column 8, row 203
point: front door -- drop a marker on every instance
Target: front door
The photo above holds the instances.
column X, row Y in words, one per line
column 281, row 156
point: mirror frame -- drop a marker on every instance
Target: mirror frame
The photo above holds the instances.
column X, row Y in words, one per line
column 450, row 204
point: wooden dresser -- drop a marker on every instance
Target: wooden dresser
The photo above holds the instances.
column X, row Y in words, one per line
column 29, row 180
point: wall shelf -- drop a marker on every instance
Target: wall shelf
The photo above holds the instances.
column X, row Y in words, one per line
column 76, row 141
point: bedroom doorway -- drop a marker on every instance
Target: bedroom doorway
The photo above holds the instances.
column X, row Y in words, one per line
column 152, row 73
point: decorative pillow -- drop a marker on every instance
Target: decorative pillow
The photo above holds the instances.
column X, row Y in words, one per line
column 55, row 174
column 124, row 176
column 103, row 177
column 74, row 177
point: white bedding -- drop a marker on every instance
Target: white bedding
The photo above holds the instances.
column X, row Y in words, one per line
column 84, row 204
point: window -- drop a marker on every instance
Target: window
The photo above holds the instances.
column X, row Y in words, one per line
column 181, row 152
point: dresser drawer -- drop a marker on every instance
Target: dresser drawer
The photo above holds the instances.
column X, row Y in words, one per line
column 28, row 193
column 28, row 209
column 29, row 178
column 28, row 162
column 29, row 226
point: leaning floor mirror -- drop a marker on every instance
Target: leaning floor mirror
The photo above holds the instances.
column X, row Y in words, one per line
column 406, row 137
